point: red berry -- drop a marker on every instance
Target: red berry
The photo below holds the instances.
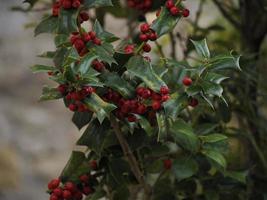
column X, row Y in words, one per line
column 72, row 107
column 165, row 98
column 186, row 12
column 158, row 12
column 86, row 37
column 66, row 4
column 156, row 105
column 153, row 36
column 53, row 197
column 88, row 90
column 50, row 73
column 187, row 81
column 143, row 37
column 84, row 178
column 131, row 118
column 93, row 164
column 62, row 89
column 87, row 190
column 82, row 108
column 141, row 109
column 98, row 66
column 140, row 90
column 57, row 192
column 92, row 34
column 97, row 41
column 144, row 28
column 67, row 194
column 156, row 96
column 78, row 195
column 167, row 164
column 146, row 93
column 84, row 16
column 76, row 4
column 193, row 102
column 53, row 184
column 169, row 4
column 129, row 49
column 174, row 11
column 147, row 48
column 69, row 186
column 79, row 44
column 164, row 90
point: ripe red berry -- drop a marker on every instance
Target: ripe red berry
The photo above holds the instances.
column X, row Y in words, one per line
column 164, row 90
column 153, row 36
column 79, row 44
column 139, row 91
column 143, row 37
column 53, row 184
column 186, row 12
column 193, row 102
column 84, row 16
column 87, row 190
column 67, row 194
column 169, row 4
column 146, row 93
column 84, row 178
column 53, row 197
column 167, row 164
column 174, row 11
column 129, row 49
column 50, row 73
column 93, row 164
column 131, row 118
column 147, row 48
column 58, row 192
column 76, row 4
column 86, row 37
column 62, row 89
column 88, row 90
column 92, row 34
column 97, row 41
column 144, row 28
column 66, row 4
column 141, row 109
column 72, row 107
column 156, row 105
column 69, row 186
column 165, row 97
column 187, row 81
column 156, row 96
column 78, row 195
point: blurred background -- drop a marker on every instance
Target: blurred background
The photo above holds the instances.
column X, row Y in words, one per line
column 37, row 138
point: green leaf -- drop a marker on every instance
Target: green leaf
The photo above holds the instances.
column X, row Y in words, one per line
column 98, row 194
column 97, row 3
column 70, row 56
column 144, row 123
column 211, row 88
column 100, row 107
column 50, row 94
column 103, row 35
column 215, row 157
column 105, row 53
column 213, row 138
column 94, row 136
column 139, row 67
column 162, row 125
column 119, row 170
column 76, row 166
column 202, row 48
column 42, row 68
column 48, row 25
column 61, row 39
column 67, row 21
column 184, row 167
column 114, row 81
column 155, row 167
column 86, row 62
column 165, row 22
column 47, row 54
column 184, row 135
column 236, row 175
column 80, row 119
column 215, row 78
column 175, row 105
column 222, row 62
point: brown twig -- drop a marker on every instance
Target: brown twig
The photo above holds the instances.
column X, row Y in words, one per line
column 130, row 157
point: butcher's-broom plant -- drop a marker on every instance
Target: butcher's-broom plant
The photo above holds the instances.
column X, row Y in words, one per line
column 142, row 137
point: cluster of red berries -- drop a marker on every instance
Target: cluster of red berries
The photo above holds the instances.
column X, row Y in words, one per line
column 70, row 190
column 79, row 41
column 74, row 98
column 167, row 164
column 66, row 4
column 142, row 5
column 147, row 34
column 146, row 100
column 175, row 10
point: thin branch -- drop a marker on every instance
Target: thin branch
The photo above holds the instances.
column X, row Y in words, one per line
column 130, row 157
column 173, row 45
column 160, row 50
column 226, row 14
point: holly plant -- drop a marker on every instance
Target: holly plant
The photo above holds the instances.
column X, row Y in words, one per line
column 137, row 112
